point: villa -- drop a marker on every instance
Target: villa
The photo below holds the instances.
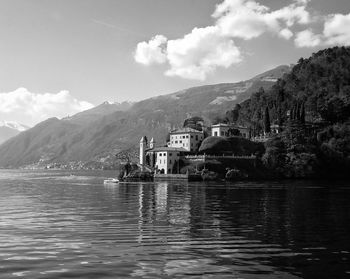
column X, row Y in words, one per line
column 182, row 142
column 165, row 159
column 187, row 138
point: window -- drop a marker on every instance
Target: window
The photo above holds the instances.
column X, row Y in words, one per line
column 191, row 137
column 169, row 161
column 170, row 154
column 180, row 141
column 222, row 133
column 196, row 137
column 176, row 141
column 164, row 154
column 215, row 134
column 160, row 154
column 187, row 136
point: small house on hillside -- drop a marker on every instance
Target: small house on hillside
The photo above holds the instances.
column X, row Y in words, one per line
column 227, row 130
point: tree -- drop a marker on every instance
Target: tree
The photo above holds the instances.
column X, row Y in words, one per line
column 233, row 115
column 267, row 120
column 195, row 122
column 302, row 114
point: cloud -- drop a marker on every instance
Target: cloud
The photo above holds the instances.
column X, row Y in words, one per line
column 336, row 31
column 30, row 108
column 200, row 52
column 249, row 19
column 307, row 38
column 151, row 52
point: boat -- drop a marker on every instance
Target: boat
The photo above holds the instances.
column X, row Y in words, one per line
column 111, row 181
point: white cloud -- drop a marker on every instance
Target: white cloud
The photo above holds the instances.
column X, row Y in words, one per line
column 249, row 19
column 151, row 52
column 337, row 30
column 203, row 50
column 240, row 19
column 30, row 108
column 200, row 52
column 307, row 38
column 286, row 33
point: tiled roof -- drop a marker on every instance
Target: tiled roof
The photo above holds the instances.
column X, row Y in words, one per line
column 186, row 130
column 165, row 148
column 221, row 125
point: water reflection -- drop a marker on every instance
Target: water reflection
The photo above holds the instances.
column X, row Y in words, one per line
column 59, row 227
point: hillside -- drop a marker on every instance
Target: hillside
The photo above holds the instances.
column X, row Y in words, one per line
column 319, row 84
column 312, row 106
column 101, row 110
column 9, row 129
column 99, row 133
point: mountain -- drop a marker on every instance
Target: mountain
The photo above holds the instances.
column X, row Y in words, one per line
column 103, row 109
column 10, row 129
column 97, row 134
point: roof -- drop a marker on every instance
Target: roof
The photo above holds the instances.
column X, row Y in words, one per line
column 220, row 125
column 170, row 149
column 186, row 130
column 233, row 126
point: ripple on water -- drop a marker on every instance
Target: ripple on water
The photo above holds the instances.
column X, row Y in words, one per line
column 58, row 225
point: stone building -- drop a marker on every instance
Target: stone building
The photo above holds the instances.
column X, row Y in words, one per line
column 187, row 138
column 228, row 130
column 165, row 159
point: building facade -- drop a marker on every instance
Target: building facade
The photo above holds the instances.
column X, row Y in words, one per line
column 187, row 138
column 162, row 159
column 167, row 159
column 228, row 130
column 220, row 130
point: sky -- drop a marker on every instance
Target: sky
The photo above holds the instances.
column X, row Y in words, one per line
column 60, row 57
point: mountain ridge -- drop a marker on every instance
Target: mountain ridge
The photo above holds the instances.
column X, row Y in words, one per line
column 9, row 129
column 97, row 134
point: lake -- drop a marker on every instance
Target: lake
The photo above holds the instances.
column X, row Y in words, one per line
column 59, row 224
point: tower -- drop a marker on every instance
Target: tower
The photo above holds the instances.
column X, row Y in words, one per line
column 152, row 143
column 143, row 146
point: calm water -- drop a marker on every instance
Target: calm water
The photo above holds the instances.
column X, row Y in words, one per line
column 57, row 225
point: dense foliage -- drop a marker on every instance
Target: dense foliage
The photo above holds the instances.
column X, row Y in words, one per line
column 232, row 146
column 318, row 87
column 312, row 106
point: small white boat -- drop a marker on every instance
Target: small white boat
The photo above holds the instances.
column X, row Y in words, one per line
column 111, row 181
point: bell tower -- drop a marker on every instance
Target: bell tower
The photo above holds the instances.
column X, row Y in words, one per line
column 152, row 143
column 143, row 146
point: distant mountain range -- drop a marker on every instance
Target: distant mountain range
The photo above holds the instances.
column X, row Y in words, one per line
column 96, row 135
column 10, row 129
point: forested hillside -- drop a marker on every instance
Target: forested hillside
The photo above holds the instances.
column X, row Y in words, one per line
column 312, row 106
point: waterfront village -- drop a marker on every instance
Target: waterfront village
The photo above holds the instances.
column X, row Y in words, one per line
column 184, row 157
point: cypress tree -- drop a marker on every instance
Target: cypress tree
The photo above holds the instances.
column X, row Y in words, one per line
column 302, row 114
column 267, row 120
